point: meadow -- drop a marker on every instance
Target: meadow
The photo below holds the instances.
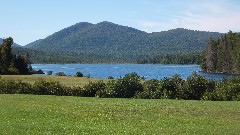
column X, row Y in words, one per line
column 38, row 114
column 64, row 80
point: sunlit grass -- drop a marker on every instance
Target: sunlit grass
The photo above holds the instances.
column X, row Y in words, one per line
column 32, row 114
column 65, row 80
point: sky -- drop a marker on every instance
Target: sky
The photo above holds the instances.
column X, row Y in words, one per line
column 30, row 20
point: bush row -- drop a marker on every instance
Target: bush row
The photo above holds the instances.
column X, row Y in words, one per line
column 194, row 87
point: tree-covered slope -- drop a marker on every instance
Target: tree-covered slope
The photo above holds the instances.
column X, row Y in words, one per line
column 180, row 40
column 107, row 38
column 223, row 55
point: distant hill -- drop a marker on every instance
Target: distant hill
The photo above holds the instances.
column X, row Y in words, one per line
column 67, row 57
column 30, row 45
column 116, row 42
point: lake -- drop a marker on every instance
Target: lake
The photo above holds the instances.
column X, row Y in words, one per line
column 149, row 71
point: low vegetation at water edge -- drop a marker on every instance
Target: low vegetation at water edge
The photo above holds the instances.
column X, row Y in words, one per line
column 194, row 87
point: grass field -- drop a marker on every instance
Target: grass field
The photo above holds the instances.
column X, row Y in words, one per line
column 65, row 80
column 32, row 114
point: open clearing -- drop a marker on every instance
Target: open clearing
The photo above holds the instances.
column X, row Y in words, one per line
column 34, row 114
column 64, row 80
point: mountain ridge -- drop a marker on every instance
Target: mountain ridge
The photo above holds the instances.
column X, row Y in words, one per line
column 107, row 41
column 85, row 37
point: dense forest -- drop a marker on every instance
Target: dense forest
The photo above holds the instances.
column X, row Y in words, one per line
column 107, row 42
column 65, row 57
column 223, row 55
column 12, row 64
column 185, row 58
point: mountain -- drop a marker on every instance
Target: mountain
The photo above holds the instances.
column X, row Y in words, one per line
column 30, row 45
column 116, row 42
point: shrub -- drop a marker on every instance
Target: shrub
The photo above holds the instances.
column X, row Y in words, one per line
column 108, row 91
column 24, row 88
column 49, row 88
column 127, row 86
column 75, row 91
column 171, row 87
column 38, row 72
column 60, row 74
column 110, row 77
column 152, row 89
column 13, row 71
column 14, row 87
column 196, row 86
column 49, row 72
column 8, row 86
column 79, row 74
column 91, row 88
column 228, row 89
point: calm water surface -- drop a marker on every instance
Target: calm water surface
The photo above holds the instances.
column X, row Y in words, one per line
column 149, row 71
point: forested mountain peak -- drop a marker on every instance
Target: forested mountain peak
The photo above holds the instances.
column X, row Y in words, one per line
column 108, row 25
column 107, row 40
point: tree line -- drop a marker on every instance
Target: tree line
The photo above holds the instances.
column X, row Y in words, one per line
column 10, row 63
column 179, row 58
column 223, row 55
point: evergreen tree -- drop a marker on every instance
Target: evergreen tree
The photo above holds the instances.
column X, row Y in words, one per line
column 223, row 55
column 9, row 63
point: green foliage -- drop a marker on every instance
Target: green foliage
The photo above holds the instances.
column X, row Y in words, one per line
column 43, row 115
column 14, row 87
column 50, row 88
column 171, row 87
column 9, row 63
column 228, row 89
column 125, row 87
column 108, row 91
column 177, row 58
column 194, row 87
column 152, row 89
column 90, row 89
column 40, row 71
column 106, row 42
column 49, row 72
column 110, row 77
column 79, row 74
column 222, row 55
column 60, row 74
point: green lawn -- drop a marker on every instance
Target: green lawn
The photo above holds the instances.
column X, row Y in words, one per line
column 65, row 80
column 34, row 114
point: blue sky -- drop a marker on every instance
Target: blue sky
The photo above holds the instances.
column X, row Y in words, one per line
column 29, row 20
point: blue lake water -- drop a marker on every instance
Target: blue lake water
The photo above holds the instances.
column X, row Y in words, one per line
column 149, row 71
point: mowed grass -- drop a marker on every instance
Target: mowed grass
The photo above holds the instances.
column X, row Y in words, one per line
column 34, row 114
column 64, row 80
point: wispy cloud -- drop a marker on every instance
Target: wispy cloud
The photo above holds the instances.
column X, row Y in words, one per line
column 220, row 16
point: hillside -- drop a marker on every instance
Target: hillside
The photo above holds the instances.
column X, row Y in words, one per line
column 66, row 57
column 222, row 55
column 30, row 45
column 116, row 42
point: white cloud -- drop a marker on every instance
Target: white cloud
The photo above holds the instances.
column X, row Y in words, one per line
column 220, row 16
